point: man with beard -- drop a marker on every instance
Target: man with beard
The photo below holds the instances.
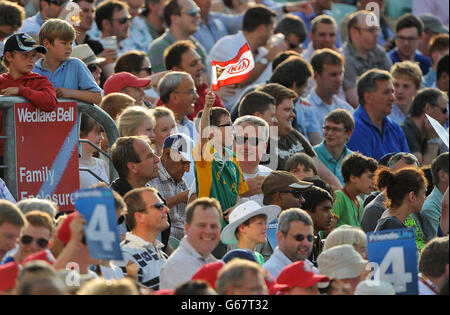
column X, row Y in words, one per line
column 295, row 237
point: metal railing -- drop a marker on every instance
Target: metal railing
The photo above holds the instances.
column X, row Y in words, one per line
column 9, row 145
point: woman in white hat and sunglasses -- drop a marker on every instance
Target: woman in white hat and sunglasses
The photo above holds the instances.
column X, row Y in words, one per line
column 248, row 226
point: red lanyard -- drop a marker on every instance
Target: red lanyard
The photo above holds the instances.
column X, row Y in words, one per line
column 355, row 201
column 425, row 282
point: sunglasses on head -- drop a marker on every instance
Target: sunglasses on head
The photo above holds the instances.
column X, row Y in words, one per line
column 301, row 237
column 28, row 239
column 192, row 12
column 297, row 194
column 253, row 141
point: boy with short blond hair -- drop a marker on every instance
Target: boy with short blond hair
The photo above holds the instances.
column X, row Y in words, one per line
column 70, row 76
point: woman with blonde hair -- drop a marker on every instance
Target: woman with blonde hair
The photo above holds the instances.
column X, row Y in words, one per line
column 347, row 234
column 136, row 121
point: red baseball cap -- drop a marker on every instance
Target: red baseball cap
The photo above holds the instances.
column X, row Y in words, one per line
column 298, row 274
column 118, row 81
column 8, row 276
column 45, row 255
column 64, row 230
column 209, row 272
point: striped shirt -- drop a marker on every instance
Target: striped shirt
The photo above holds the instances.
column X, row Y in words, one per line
column 148, row 258
column 168, row 188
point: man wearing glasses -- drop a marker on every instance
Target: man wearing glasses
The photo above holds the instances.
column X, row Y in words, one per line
column 282, row 189
column 295, row 237
column 48, row 9
column 409, row 30
column 182, row 18
column 146, row 217
column 337, row 128
column 362, row 52
column 422, row 139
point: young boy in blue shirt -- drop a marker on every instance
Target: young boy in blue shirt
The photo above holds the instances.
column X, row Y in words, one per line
column 70, row 76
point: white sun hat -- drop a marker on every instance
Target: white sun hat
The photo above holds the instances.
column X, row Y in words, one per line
column 244, row 212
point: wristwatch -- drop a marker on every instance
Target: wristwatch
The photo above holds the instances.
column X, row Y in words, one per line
column 264, row 61
column 433, row 141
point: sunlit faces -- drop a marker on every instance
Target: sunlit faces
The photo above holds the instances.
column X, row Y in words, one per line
column 154, row 218
column 146, row 129
column 302, row 172
column 9, row 233
column 192, row 64
column 407, row 41
column 250, row 142
column 285, row 114
column 186, row 96
column 60, row 50
column 331, row 78
column 405, row 90
column 255, row 230
column 322, row 215
column 440, row 111
column 383, row 98
column 164, row 127
column 203, row 233
column 137, row 93
column 87, row 15
column 293, row 249
column 32, row 240
column 325, row 36
column 365, row 182
column 147, row 168
column 120, row 24
column 335, row 134
column 22, row 61
column 190, row 17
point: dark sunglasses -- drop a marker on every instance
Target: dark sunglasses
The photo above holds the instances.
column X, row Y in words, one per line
column 28, row 239
column 294, row 46
column 146, row 69
column 301, row 237
column 123, row 20
column 192, row 12
column 56, row 2
column 226, row 125
column 92, row 67
column 254, row 141
column 296, row 193
column 159, row 206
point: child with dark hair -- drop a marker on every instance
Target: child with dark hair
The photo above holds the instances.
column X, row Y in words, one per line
column 318, row 203
column 92, row 169
column 358, row 173
column 301, row 165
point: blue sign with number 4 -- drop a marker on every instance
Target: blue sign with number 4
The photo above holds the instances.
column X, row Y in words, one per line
column 393, row 254
column 102, row 236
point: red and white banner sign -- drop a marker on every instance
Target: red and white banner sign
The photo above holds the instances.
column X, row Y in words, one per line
column 232, row 71
column 47, row 153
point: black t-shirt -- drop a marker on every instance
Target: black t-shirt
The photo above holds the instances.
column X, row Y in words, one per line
column 290, row 144
column 390, row 223
column 413, row 136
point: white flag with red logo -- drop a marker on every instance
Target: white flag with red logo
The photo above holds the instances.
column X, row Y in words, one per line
column 232, row 71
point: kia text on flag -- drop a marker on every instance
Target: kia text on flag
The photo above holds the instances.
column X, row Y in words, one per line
column 232, row 71
column 47, row 153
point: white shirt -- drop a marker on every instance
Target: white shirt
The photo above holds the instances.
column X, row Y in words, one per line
column 279, row 260
column 148, row 258
column 181, row 265
column 99, row 169
column 262, row 171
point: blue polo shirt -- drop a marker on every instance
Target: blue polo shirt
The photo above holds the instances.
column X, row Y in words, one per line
column 71, row 74
column 368, row 140
column 424, row 62
column 334, row 166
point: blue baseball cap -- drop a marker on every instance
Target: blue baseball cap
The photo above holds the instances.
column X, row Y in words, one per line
column 181, row 143
column 239, row 253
